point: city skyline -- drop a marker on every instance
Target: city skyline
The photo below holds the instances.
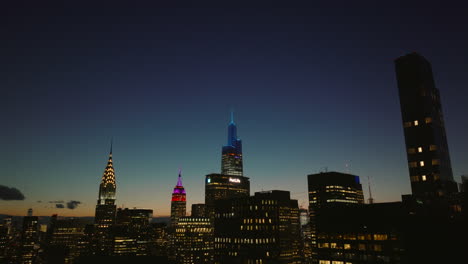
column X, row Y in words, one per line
column 305, row 99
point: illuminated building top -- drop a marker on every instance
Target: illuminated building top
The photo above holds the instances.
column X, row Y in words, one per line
column 108, row 186
column 231, row 163
column 179, row 192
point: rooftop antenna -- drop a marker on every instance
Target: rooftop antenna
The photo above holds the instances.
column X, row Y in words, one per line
column 371, row 200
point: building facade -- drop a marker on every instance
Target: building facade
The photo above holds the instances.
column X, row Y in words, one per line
column 263, row 228
column 330, row 189
column 427, row 150
column 194, row 240
column 221, row 186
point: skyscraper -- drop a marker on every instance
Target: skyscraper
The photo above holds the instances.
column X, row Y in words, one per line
column 194, row 240
column 106, row 208
column 426, row 143
column 263, row 228
column 231, row 159
column 29, row 238
column 328, row 190
column 178, row 201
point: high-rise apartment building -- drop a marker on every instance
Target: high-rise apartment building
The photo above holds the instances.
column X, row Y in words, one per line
column 424, row 129
column 231, row 159
column 178, row 201
column 263, row 228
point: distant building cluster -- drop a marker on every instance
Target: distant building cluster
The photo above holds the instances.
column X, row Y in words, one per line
column 232, row 226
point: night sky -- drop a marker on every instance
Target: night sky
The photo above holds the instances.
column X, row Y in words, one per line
column 312, row 85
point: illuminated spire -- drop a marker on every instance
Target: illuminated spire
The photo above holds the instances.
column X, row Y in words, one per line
column 232, row 117
column 108, row 186
column 179, row 180
column 179, row 192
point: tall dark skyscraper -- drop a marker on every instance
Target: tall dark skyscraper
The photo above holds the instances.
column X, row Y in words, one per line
column 231, row 160
column 426, row 143
column 106, row 208
column 178, row 201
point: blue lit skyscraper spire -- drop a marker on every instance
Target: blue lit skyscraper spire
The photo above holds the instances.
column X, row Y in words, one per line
column 231, row 160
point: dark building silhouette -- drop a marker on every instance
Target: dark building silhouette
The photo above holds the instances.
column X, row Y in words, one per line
column 198, row 210
column 65, row 239
column 133, row 234
column 178, row 201
column 426, row 143
column 194, row 240
column 330, row 189
column 220, row 186
column 231, row 159
column 29, row 238
column 263, row 228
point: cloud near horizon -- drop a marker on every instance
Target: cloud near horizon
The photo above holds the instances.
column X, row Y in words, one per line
column 73, row 204
column 10, row 194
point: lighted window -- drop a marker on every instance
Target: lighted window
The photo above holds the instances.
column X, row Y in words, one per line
column 421, row 163
column 428, row 120
column 436, row 177
column 347, row 246
column 413, row 164
column 435, row 162
column 411, row 151
column 324, row 262
column 423, row 178
column 416, row 123
column 419, row 149
column 333, row 245
column 407, row 124
column 432, row 147
column 414, row 178
column 378, row 247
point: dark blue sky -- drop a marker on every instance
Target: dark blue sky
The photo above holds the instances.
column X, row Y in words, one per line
column 312, row 85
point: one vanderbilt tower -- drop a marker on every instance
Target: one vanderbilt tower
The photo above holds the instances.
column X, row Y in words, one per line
column 231, row 160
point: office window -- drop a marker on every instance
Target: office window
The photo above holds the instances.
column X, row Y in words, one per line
column 423, row 178
column 414, row 178
column 432, row 147
column 416, row 123
column 428, row 120
column 407, row 124
column 435, row 162
column 421, row 163
column 411, row 151
column 413, row 164
column 419, row 149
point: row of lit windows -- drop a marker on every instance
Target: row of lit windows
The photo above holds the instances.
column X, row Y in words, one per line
column 256, row 221
column 362, row 247
column 333, row 262
column 415, row 164
column 417, row 178
column 428, row 120
column 342, row 200
column 245, row 240
column 378, row 237
column 269, row 202
column 420, row 149
column 256, row 227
